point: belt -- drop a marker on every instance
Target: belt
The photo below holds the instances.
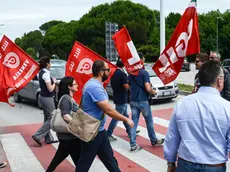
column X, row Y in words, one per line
column 209, row 165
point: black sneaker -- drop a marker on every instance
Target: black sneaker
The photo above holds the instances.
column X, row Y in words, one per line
column 111, row 138
column 2, row 164
column 158, row 142
column 37, row 140
column 52, row 141
column 135, row 148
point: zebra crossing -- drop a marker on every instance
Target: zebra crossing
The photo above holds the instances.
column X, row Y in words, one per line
column 23, row 155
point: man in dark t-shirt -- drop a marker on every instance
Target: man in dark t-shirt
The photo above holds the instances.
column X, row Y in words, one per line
column 119, row 83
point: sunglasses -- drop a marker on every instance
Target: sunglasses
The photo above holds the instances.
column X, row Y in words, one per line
column 197, row 61
column 108, row 69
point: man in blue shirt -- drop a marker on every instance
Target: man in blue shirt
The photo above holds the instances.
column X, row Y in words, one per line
column 199, row 130
column 95, row 102
column 120, row 86
column 140, row 88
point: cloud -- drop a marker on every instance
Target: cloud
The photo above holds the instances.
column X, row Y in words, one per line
column 18, row 16
column 26, row 15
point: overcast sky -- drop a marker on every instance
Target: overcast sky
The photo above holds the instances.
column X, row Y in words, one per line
column 23, row 16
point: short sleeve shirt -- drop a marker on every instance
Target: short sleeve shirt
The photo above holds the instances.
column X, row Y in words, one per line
column 46, row 76
column 67, row 105
column 120, row 94
column 94, row 92
column 137, row 86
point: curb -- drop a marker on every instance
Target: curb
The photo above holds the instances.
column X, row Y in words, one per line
column 184, row 93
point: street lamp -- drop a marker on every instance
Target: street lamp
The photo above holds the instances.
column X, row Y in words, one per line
column 162, row 26
column 217, row 33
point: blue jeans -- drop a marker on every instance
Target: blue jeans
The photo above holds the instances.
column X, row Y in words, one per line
column 184, row 166
column 144, row 108
column 122, row 109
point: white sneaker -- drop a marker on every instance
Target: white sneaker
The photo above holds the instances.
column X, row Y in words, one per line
column 111, row 138
column 135, row 148
column 2, row 164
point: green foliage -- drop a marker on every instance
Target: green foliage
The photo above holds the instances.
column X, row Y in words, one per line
column 46, row 26
column 137, row 18
column 60, row 38
column 143, row 24
column 186, row 88
column 32, row 40
column 31, row 52
column 151, row 53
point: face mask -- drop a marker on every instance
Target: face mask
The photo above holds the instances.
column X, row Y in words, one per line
column 104, row 77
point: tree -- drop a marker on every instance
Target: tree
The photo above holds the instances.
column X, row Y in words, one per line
column 31, row 52
column 32, row 40
column 46, row 26
column 139, row 20
column 60, row 38
column 171, row 22
column 150, row 52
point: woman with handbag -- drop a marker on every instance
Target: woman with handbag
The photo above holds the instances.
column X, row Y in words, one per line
column 68, row 143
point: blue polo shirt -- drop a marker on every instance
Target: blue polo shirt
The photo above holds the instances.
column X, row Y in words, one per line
column 94, row 92
column 137, row 86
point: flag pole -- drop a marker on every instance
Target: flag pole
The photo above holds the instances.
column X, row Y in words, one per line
column 162, row 26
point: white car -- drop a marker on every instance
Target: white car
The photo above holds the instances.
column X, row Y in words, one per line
column 164, row 92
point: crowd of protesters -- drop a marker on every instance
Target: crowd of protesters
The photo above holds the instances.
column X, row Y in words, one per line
column 198, row 137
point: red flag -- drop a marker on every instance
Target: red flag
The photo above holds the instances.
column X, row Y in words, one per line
column 79, row 66
column 184, row 41
column 127, row 51
column 16, row 68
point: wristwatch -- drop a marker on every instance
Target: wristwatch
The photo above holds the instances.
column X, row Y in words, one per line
column 171, row 164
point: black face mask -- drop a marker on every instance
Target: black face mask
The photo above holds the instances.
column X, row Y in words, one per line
column 104, row 77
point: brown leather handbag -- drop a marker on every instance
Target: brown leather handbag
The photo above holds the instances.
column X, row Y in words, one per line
column 84, row 126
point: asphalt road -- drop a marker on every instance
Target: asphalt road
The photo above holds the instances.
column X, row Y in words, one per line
column 27, row 113
column 187, row 77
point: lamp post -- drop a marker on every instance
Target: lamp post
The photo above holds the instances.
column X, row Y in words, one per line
column 162, row 26
column 217, row 33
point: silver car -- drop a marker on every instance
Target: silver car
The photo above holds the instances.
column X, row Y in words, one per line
column 164, row 92
column 32, row 90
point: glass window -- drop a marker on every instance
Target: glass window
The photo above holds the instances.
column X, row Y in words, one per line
column 57, row 72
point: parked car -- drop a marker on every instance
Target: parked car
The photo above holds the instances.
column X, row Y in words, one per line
column 226, row 64
column 186, row 65
column 57, row 62
column 164, row 92
column 32, row 90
